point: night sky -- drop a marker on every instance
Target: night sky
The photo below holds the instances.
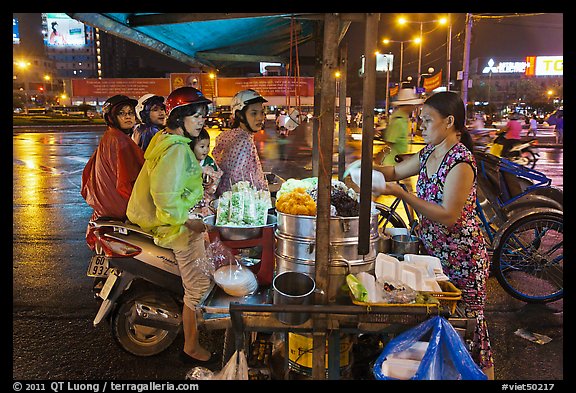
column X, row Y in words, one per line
column 509, row 38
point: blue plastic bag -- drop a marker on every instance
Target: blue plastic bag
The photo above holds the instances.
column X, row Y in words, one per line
column 446, row 357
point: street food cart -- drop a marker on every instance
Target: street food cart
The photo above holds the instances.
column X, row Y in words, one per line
column 328, row 316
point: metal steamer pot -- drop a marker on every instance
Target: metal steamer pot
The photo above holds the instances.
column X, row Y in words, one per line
column 341, row 228
column 296, row 247
column 337, row 270
column 305, row 248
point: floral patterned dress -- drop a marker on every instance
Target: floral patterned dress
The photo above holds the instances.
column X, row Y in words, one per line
column 460, row 247
column 236, row 155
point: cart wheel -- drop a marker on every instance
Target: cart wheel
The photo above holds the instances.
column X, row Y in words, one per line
column 529, row 259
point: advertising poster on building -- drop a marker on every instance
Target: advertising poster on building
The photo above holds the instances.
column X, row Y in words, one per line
column 267, row 86
column 132, row 87
column 15, row 32
column 61, row 30
column 200, row 81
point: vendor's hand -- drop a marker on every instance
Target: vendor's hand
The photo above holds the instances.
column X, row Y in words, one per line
column 391, row 188
column 196, row 225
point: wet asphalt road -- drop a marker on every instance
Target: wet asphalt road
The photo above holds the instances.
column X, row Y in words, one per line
column 52, row 333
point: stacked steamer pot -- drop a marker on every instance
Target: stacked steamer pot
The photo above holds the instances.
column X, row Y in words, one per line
column 296, row 248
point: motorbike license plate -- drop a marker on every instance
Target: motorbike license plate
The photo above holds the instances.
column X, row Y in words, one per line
column 98, row 267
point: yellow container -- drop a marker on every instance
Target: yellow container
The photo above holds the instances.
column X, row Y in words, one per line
column 496, row 149
column 301, row 349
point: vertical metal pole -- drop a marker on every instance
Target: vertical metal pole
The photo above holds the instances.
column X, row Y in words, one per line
column 326, row 145
column 343, row 112
column 387, row 88
column 420, row 55
column 401, row 62
column 317, row 96
column 368, row 101
column 449, row 52
column 466, row 59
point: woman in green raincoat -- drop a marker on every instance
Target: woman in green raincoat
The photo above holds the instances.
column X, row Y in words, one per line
column 168, row 186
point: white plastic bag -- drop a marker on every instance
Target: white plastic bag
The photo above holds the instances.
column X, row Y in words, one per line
column 235, row 369
column 355, row 171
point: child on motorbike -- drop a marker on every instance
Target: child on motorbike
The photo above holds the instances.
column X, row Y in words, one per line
column 211, row 174
column 168, row 186
column 151, row 111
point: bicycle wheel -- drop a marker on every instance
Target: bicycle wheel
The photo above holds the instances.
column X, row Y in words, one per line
column 528, row 261
column 388, row 217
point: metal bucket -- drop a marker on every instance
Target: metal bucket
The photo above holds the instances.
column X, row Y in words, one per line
column 405, row 244
column 337, row 271
column 293, row 287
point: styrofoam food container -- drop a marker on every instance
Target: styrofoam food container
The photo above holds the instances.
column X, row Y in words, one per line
column 400, row 368
column 369, row 282
column 387, row 267
column 414, row 352
column 432, row 265
column 413, row 276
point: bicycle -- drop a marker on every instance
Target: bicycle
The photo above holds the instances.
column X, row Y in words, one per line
column 522, row 217
column 522, row 221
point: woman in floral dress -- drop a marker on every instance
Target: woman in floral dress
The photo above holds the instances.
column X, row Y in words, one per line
column 445, row 203
column 235, row 152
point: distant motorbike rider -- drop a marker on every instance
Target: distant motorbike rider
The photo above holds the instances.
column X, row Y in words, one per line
column 512, row 130
column 109, row 175
column 151, row 112
column 168, row 186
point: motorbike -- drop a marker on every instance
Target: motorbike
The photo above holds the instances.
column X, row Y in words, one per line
column 139, row 288
column 523, row 153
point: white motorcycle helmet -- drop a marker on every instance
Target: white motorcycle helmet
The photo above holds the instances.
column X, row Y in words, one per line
column 244, row 98
column 145, row 104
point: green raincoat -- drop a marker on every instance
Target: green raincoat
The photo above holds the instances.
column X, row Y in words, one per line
column 169, row 184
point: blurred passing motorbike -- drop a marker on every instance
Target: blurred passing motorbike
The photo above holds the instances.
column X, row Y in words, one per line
column 522, row 153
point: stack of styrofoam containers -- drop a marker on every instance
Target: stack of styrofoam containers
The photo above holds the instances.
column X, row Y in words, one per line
column 416, row 277
column 404, row 364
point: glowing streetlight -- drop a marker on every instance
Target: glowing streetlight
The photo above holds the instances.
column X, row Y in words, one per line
column 212, row 77
column 387, row 41
column 441, row 21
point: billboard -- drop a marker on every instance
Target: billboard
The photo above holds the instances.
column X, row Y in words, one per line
column 267, row 86
column 61, row 30
column 15, row 32
column 201, row 81
column 545, row 66
column 132, row 87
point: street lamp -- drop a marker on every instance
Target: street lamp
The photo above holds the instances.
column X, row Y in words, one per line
column 408, row 80
column 442, row 21
column 47, row 79
column 23, row 66
column 429, row 73
column 387, row 41
column 213, row 78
